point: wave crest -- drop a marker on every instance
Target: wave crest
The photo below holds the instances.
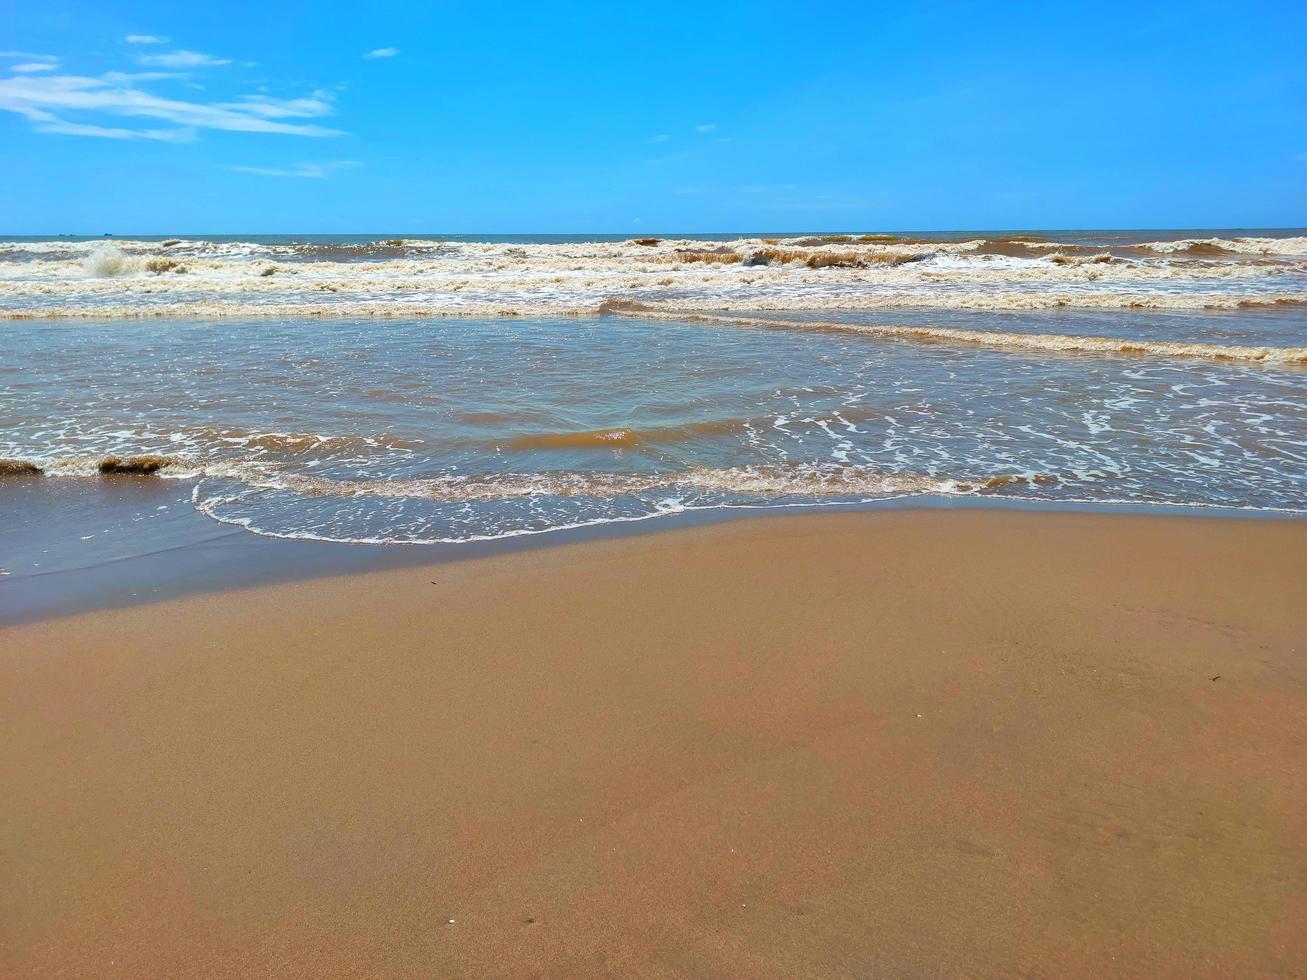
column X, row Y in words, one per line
column 108, row 262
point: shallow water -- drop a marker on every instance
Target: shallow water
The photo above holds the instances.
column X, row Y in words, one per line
column 372, row 389
column 422, row 430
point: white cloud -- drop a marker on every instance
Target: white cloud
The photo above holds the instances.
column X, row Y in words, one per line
column 145, row 39
column 182, row 58
column 127, row 77
column 660, row 138
column 315, row 171
column 705, row 128
column 33, row 66
column 269, row 108
column 28, row 56
column 382, row 53
column 45, row 99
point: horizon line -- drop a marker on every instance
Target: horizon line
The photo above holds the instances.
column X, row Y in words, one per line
column 665, row 234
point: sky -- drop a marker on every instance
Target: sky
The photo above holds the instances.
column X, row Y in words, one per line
column 534, row 117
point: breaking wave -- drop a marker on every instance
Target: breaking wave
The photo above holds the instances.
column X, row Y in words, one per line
column 1230, row 246
column 781, row 479
column 1004, row 340
column 798, row 479
column 417, row 277
column 107, row 262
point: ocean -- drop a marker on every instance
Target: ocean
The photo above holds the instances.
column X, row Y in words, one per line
column 449, row 389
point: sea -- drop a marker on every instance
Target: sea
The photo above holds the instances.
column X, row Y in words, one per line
column 451, row 389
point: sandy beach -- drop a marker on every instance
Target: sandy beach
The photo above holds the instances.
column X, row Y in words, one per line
column 920, row 743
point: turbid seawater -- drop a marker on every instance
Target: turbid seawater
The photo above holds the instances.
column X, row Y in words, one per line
column 387, row 426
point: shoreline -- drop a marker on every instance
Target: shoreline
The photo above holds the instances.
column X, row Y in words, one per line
column 198, row 555
column 909, row 742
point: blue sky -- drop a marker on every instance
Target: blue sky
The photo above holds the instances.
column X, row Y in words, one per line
column 134, row 117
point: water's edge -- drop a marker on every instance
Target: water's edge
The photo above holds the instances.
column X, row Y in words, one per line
column 218, row 558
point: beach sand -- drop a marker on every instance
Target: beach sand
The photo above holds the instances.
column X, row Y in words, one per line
column 920, row 743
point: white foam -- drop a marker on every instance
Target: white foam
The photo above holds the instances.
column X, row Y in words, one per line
column 108, row 261
column 211, row 279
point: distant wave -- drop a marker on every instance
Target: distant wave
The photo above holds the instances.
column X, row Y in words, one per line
column 1007, row 301
column 999, row 339
column 386, row 248
column 182, row 278
column 1227, row 246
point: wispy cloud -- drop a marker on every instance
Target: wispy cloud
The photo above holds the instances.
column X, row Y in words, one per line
column 181, row 58
column 30, row 56
column 33, row 66
column 46, row 99
column 45, row 122
column 128, row 77
column 660, row 138
column 314, row 171
column 319, row 104
column 382, row 53
column 705, row 128
column 145, row 39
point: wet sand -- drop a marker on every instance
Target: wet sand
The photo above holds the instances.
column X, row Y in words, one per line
column 870, row 744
